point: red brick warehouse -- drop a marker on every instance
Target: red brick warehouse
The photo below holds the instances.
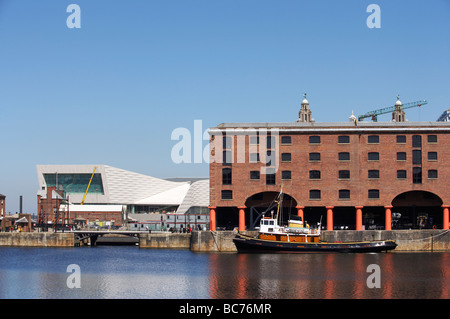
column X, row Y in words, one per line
column 351, row 175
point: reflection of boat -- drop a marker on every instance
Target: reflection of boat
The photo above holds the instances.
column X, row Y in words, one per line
column 296, row 237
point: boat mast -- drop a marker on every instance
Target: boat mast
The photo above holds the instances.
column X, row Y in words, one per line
column 279, row 201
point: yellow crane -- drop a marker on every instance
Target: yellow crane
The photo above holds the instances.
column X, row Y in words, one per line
column 92, row 176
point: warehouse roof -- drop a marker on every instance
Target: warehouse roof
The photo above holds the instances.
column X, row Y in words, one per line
column 358, row 126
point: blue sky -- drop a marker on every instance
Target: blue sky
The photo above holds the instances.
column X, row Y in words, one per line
column 113, row 91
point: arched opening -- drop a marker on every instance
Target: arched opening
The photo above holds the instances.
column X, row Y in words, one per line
column 416, row 210
column 265, row 204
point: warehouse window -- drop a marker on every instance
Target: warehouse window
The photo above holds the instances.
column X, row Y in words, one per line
column 374, row 193
column 344, row 194
column 373, row 139
column 314, row 140
column 270, row 158
column 417, row 141
column 432, row 173
column 314, row 194
column 227, row 194
column 344, row 156
column 401, row 174
column 432, row 138
column 314, row 157
column 417, row 157
column 286, row 175
column 401, row 156
column 314, row 174
column 286, row 157
column 432, row 156
column 254, row 175
column 343, row 139
column 344, row 174
column 285, row 140
column 401, row 139
column 417, row 175
column 270, row 142
column 226, row 176
column 374, row 156
column 226, row 158
column 374, row 173
column 226, row 141
column 270, row 179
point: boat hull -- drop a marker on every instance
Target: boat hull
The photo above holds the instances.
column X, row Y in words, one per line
column 245, row 244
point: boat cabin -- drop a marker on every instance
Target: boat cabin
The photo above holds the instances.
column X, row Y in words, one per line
column 269, row 225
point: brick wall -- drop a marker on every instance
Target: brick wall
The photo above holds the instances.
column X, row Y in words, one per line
column 97, row 216
column 329, row 184
column 46, row 206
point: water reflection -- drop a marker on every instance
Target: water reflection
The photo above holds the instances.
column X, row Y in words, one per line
column 139, row 273
column 445, row 273
column 328, row 276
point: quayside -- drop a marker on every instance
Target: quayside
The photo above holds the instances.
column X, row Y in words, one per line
column 295, row 237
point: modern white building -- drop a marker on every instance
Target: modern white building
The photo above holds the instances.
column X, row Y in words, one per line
column 111, row 189
column 193, row 212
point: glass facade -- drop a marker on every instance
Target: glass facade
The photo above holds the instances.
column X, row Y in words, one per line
column 75, row 183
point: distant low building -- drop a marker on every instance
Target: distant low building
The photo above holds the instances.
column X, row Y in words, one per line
column 17, row 223
column 24, row 223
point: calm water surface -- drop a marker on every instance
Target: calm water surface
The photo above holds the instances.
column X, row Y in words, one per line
column 131, row 272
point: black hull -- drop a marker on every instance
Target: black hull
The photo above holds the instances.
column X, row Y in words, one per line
column 245, row 244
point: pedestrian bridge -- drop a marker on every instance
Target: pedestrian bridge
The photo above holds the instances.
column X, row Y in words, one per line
column 91, row 237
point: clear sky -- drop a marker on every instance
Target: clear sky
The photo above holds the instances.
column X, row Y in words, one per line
column 112, row 91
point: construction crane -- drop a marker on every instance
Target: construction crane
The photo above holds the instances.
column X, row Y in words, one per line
column 375, row 113
column 85, row 193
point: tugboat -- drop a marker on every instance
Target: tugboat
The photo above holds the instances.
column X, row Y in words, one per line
column 296, row 237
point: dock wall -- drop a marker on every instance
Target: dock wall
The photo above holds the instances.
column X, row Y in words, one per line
column 407, row 240
column 197, row 241
column 165, row 241
column 37, row 239
column 222, row 241
column 213, row 241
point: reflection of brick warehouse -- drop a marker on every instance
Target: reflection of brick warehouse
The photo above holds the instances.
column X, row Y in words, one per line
column 351, row 174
